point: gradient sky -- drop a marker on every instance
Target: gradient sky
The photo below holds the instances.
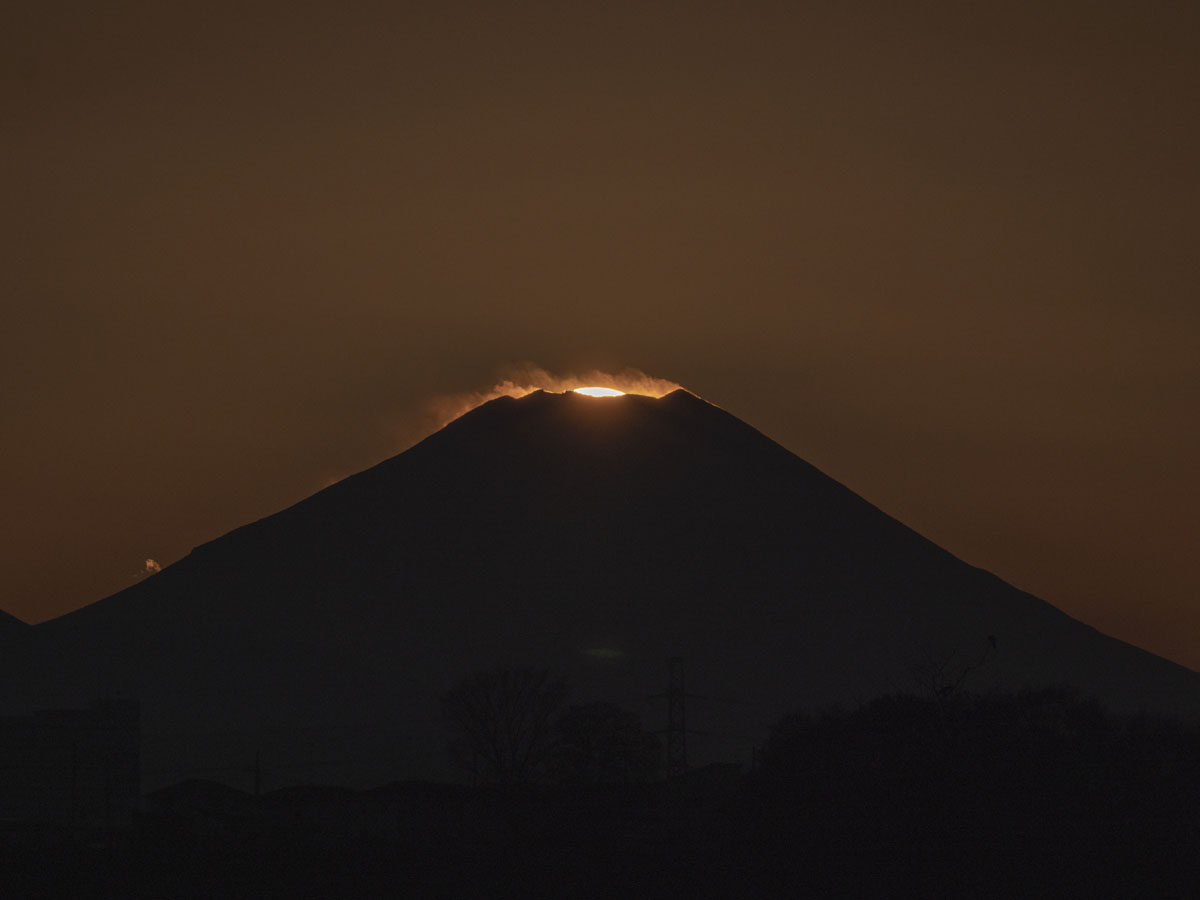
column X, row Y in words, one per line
column 946, row 253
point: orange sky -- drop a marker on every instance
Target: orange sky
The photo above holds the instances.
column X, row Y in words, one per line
column 946, row 254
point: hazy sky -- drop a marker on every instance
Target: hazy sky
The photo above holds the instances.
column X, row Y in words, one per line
column 947, row 254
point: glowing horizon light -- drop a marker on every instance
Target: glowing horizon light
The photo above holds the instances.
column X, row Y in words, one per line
column 599, row 392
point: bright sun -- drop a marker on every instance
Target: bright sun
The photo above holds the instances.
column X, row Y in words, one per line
column 599, row 392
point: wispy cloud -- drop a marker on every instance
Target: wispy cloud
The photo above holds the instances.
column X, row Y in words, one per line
column 525, row 378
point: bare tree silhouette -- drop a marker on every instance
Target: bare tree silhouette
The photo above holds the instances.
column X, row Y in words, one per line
column 502, row 721
column 941, row 675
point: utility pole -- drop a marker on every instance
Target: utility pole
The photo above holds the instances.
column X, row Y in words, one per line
column 676, row 719
column 75, row 816
column 256, row 771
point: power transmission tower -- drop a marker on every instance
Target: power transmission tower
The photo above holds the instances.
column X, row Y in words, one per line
column 676, row 719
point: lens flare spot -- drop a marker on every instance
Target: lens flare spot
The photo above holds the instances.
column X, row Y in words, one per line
column 599, row 392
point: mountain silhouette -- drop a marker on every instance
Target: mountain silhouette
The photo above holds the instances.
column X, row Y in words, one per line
column 595, row 536
column 11, row 625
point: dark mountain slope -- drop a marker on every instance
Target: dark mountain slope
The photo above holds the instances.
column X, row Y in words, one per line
column 542, row 530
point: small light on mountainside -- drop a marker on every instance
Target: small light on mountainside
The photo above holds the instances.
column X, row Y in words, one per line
column 149, row 567
column 599, row 392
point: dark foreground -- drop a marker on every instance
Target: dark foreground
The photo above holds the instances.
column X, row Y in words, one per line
column 1035, row 795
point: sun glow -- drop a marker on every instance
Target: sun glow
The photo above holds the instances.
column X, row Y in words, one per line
column 527, row 378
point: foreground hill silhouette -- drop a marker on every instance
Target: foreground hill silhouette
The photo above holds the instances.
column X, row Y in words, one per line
column 595, row 536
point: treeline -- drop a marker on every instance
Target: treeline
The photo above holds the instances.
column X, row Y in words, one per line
column 1036, row 793
column 1028, row 747
column 513, row 726
column 1029, row 794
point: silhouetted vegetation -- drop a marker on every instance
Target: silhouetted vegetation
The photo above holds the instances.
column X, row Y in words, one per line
column 502, row 719
column 508, row 726
column 1031, row 794
column 1034, row 793
column 600, row 743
